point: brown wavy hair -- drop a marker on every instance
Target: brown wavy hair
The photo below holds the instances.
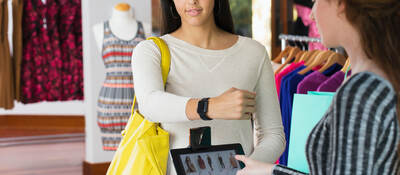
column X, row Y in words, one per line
column 378, row 23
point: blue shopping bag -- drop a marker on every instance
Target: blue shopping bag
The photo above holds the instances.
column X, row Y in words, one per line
column 308, row 109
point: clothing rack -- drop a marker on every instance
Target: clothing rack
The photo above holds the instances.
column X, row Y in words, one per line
column 284, row 38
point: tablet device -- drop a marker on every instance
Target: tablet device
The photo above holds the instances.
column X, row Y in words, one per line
column 213, row 160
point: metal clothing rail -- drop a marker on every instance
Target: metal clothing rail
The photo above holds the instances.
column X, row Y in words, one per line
column 284, row 38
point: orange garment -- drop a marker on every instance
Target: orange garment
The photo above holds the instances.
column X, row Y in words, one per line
column 6, row 68
column 17, row 45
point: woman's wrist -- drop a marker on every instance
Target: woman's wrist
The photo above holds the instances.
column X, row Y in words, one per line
column 191, row 109
column 211, row 104
column 192, row 105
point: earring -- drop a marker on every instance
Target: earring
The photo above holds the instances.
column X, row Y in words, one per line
column 173, row 14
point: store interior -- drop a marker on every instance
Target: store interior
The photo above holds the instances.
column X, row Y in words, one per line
column 53, row 73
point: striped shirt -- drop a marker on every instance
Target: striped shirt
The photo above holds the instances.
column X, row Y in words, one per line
column 359, row 134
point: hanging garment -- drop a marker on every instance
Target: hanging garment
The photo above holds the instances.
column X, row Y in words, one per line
column 333, row 83
column 116, row 95
column 71, row 49
column 32, row 55
column 57, row 80
column 315, row 79
column 284, row 72
column 17, row 45
column 41, row 63
column 288, row 88
column 311, row 82
column 301, row 30
column 6, row 68
column 43, row 73
column 299, row 27
column 304, row 14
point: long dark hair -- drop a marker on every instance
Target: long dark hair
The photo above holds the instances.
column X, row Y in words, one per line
column 172, row 20
column 378, row 22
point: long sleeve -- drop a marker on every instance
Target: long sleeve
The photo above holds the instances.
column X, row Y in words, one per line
column 154, row 103
column 364, row 128
column 269, row 136
column 359, row 134
column 283, row 170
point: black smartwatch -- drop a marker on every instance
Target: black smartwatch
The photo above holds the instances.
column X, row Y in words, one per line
column 202, row 109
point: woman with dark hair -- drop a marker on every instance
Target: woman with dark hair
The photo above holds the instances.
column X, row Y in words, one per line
column 360, row 132
column 217, row 79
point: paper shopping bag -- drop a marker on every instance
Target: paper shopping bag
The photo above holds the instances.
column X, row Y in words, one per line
column 308, row 109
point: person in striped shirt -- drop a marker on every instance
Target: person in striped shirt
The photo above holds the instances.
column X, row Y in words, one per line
column 360, row 132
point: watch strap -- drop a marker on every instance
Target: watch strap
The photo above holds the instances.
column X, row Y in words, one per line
column 202, row 109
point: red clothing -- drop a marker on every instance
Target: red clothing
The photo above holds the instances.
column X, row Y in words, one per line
column 51, row 68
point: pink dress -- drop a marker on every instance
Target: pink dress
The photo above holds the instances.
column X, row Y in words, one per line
column 304, row 13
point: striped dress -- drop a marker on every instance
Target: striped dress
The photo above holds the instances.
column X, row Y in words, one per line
column 116, row 95
column 359, row 134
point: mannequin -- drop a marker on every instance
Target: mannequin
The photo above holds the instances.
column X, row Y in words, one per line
column 122, row 23
column 116, row 38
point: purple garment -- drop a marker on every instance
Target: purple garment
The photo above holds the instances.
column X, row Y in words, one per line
column 311, row 82
column 315, row 79
column 333, row 83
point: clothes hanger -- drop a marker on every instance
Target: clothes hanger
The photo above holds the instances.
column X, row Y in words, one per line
column 346, row 65
column 284, row 53
column 306, row 56
column 334, row 58
column 319, row 59
column 293, row 52
column 299, row 55
column 313, row 56
column 303, row 45
column 289, row 59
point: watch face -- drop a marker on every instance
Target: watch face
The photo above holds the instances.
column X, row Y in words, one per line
column 205, row 107
column 202, row 109
column 201, row 106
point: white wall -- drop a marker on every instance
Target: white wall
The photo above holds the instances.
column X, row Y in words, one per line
column 47, row 108
column 93, row 12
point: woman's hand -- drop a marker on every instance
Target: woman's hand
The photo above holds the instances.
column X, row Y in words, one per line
column 234, row 104
column 254, row 167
